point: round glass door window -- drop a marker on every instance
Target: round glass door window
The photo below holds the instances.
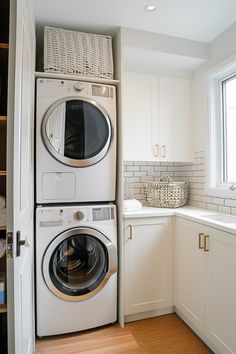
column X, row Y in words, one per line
column 78, row 265
column 77, row 132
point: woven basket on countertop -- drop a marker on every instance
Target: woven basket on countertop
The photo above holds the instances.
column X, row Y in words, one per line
column 77, row 53
column 166, row 193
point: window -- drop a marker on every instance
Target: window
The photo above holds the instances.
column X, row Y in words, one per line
column 228, row 117
column 221, row 174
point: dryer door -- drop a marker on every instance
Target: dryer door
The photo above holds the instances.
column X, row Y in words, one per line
column 77, row 131
column 78, row 263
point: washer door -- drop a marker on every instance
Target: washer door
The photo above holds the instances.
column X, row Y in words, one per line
column 78, row 263
column 77, row 131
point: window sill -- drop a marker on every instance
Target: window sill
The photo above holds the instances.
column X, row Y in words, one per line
column 221, row 193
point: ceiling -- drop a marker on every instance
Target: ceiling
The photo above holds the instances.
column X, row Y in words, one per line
column 200, row 20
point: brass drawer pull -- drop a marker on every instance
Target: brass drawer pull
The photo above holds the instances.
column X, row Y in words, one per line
column 200, row 243
column 163, row 150
column 130, row 232
column 206, row 243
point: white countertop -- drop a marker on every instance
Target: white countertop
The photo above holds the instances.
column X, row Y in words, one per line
column 210, row 218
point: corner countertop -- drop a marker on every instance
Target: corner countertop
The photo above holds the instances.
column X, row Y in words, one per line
column 224, row 222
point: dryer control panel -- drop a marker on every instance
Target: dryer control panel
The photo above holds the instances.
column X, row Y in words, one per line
column 76, row 215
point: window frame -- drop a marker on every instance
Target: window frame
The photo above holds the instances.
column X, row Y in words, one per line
column 216, row 161
column 224, row 162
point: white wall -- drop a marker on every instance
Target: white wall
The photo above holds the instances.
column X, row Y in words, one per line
column 151, row 52
column 221, row 51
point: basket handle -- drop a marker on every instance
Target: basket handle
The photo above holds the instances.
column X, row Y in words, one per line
column 166, row 179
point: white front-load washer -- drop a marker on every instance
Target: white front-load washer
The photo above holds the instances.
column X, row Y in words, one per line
column 75, row 141
column 76, row 268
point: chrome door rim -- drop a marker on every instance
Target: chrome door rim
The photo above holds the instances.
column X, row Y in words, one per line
column 66, row 160
column 112, row 261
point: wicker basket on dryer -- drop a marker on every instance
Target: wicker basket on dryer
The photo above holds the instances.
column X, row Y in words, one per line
column 77, row 53
column 166, row 193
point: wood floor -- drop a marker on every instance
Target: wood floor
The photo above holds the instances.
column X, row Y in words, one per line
column 159, row 335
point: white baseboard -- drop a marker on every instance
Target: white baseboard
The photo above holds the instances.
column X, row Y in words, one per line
column 149, row 314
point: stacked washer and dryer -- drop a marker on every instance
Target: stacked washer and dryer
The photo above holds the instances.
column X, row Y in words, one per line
column 76, row 228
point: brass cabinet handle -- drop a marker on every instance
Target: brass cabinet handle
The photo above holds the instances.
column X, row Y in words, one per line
column 156, row 150
column 206, row 243
column 163, row 148
column 130, row 232
column 200, row 245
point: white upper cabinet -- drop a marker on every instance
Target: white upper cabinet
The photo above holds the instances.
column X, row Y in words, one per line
column 138, row 106
column 175, row 117
column 157, row 117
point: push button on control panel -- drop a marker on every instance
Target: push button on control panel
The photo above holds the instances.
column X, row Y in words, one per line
column 78, row 215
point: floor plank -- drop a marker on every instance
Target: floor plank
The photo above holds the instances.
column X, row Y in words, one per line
column 158, row 335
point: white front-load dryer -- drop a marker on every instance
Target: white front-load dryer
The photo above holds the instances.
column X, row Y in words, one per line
column 75, row 141
column 76, row 268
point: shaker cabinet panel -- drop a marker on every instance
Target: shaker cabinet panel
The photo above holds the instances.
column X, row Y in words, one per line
column 189, row 272
column 137, row 101
column 175, row 116
column 148, row 262
column 220, row 325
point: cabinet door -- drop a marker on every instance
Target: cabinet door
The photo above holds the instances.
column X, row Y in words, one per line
column 175, row 115
column 190, row 272
column 220, row 325
column 148, row 278
column 138, row 96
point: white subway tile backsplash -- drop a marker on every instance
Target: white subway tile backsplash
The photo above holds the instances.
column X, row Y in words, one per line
column 133, row 168
column 223, row 209
column 196, row 198
column 137, row 173
column 212, row 207
column 133, row 179
column 128, row 174
column 145, row 179
column 140, row 163
column 218, row 201
column 167, row 163
column 140, row 174
column 207, row 199
column 138, row 185
column 233, row 211
column 144, row 168
column 195, row 191
column 230, row 202
column 153, row 163
column 198, row 185
column 160, row 169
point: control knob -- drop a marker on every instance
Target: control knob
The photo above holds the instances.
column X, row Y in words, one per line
column 78, row 86
column 78, row 215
